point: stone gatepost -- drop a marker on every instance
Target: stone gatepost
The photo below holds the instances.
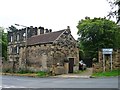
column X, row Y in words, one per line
column 66, row 66
column 105, row 65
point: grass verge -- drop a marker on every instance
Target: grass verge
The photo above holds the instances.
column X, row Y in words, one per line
column 42, row 74
column 28, row 73
column 107, row 74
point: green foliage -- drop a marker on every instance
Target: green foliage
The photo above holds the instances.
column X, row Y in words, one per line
column 110, row 73
column 23, row 71
column 81, row 54
column 97, row 33
column 42, row 74
column 3, row 43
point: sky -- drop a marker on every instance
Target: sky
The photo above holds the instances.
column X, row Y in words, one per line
column 51, row 14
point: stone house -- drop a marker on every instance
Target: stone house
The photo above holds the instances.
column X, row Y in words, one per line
column 55, row 52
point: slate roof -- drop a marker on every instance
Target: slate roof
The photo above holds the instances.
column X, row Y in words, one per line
column 44, row 38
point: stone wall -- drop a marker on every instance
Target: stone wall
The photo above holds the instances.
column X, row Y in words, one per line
column 98, row 66
column 8, row 66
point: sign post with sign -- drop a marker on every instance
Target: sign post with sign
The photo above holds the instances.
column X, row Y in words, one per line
column 107, row 51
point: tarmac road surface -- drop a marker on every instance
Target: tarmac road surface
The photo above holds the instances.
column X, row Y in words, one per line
column 30, row 82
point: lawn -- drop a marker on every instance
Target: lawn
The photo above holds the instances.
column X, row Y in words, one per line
column 107, row 74
column 42, row 74
column 28, row 73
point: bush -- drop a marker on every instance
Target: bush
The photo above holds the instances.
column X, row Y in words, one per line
column 42, row 73
column 23, row 71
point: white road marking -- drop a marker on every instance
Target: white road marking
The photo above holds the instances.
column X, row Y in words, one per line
column 10, row 86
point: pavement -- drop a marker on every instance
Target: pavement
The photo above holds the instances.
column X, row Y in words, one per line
column 85, row 74
column 71, row 76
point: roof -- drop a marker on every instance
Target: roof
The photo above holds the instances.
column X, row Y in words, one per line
column 44, row 38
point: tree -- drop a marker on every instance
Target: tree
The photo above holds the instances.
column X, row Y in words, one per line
column 114, row 12
column 97, row 33
column 3, row 43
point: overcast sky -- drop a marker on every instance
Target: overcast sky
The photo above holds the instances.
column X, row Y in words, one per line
column 51, row 14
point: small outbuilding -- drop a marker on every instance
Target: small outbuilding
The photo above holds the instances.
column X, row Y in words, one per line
column 54, row 52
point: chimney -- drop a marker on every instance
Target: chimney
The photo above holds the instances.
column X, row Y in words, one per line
column 31, row 27
column 50, row 30
column 68, row 27
column 46, row 31
column 38, row 31
column 35, row 30
column 41, row 30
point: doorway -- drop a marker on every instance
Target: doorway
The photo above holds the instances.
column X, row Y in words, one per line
column 71, row 65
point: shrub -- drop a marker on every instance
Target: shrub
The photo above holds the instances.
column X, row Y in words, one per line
column 23, row 71
column 42, row 73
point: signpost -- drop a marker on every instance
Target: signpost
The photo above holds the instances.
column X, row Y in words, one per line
column 107, row 51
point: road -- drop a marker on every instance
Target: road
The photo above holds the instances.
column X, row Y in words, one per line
column 29, row 82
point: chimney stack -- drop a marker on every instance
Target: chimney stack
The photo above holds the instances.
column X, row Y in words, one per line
column 68, row 27
column 46, row 31
column 38, row 31
column 41, row 30
column 50, row 30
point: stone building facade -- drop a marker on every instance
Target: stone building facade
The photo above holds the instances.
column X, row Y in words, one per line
column 98, row 66
column 48, row 51
column 16, row 39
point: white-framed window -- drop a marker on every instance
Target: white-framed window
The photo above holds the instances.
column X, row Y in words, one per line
column 11, row 38
column 18, row 37
column 24, row 35
column 17, row 49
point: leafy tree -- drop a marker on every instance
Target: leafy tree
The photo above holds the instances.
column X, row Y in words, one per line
column 3, row 43
column 97, row 33
column 114, row 12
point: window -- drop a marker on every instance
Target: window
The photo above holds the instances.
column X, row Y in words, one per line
column 11, row 50
column 18, row 37
column 11, row 38
column 17, row 49
column 24, row 35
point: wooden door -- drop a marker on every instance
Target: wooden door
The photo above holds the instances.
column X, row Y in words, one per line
column 71, row 64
